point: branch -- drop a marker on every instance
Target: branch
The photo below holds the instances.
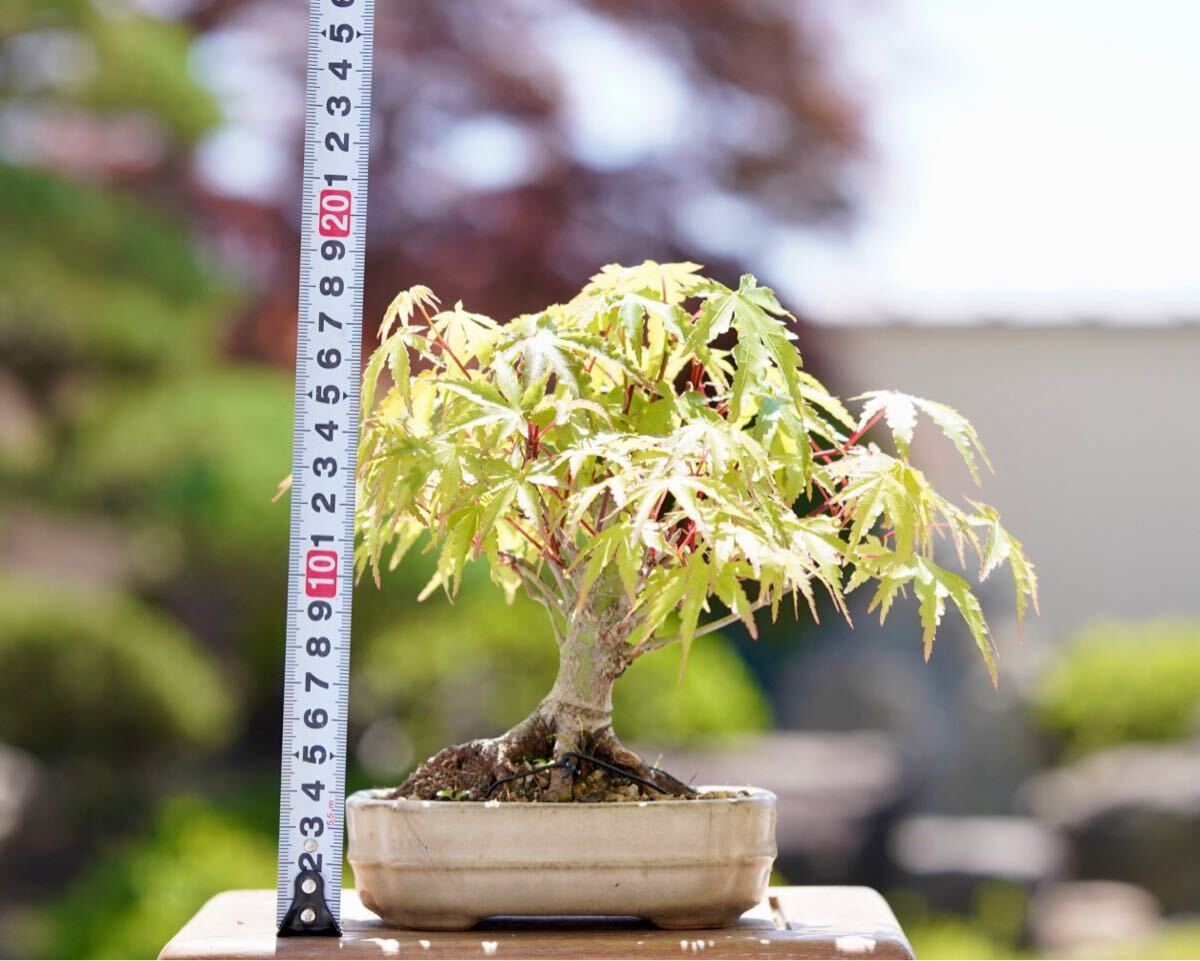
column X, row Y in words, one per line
column 534, row 541
column 538, row 590
column 853, row 438
column 437, row 339
column 560, row 580
column 657, row 643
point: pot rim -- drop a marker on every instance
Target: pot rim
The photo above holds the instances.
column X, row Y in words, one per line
column 372, row 798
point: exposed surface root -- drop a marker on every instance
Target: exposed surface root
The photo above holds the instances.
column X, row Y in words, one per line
column 468, row 772
column 452, row 771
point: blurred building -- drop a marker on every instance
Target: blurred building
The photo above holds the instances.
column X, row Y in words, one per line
column 1088, row 425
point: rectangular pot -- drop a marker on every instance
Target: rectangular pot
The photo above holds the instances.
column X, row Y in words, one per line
column 446, row 865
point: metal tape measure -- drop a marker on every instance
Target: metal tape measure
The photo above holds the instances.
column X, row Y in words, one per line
column 325, row 445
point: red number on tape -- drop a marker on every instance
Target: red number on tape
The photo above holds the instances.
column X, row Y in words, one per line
column 333, row 213
column 320, row 573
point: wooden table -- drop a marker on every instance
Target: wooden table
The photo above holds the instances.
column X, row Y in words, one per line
column 793, row 922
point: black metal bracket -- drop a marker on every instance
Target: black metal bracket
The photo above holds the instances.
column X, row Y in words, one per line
column 309, row 915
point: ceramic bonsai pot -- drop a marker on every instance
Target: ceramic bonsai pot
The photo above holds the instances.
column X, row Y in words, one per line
column 446, row 865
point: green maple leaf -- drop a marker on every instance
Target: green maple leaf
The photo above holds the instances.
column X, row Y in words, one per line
column 1001, row 547
column 900, row 413
column 612, row 434
column 933, row 586
column 400, row 310
column 668, row 282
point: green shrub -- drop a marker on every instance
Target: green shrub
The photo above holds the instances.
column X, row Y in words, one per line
column 85, row 673
column 992, row 928
column 448, row 672
column 1178, row 940
column 205, row 452
column 715, row 698
column 1118, row 683
column 143, row 63
column 130, row 903
column 94, row 280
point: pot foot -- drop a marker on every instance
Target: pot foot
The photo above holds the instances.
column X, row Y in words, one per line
column 695, row 920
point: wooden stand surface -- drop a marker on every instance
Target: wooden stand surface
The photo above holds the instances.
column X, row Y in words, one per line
column 793, row 922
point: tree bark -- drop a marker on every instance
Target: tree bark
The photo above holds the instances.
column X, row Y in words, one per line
column 576, row 716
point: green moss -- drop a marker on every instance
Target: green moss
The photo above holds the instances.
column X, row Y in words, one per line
column 1118, row 683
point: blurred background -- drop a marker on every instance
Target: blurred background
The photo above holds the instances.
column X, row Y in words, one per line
column 993, row 205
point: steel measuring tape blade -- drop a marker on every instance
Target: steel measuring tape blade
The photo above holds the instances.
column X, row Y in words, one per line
column 324, row 452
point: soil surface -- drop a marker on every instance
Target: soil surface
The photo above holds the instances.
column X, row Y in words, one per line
column 500, row 771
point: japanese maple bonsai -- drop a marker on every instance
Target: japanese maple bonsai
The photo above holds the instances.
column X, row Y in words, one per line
column 650, row 463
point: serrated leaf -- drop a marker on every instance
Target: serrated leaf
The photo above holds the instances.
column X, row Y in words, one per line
column 931, row 604
column 599, row 552
column 947, row 584
column 671, row 282
column 664, row 589
column 370, row 380
column 1002, row 546
column 700, row 455
column 728, row 589
column 959, row 430
column 489, row 405
column 899, row 413
column 889, row 586
column 815, row 393
column 456, row 546
column 400, row 310
column 695, row 598
column 628, row 563
column 398, row 365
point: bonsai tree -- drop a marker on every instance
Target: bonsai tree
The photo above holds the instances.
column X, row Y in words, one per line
column 650, row 463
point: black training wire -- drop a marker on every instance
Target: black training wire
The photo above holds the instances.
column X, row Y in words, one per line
column 570, row 763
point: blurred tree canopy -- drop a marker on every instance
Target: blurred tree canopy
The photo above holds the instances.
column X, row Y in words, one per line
column 518, row 146
column 147, row 315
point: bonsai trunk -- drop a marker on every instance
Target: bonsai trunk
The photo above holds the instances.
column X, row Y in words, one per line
column 574, row 718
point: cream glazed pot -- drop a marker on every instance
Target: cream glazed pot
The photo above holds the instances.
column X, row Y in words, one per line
column 446, row 865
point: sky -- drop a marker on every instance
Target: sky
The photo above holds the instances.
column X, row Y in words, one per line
column 1031, row 161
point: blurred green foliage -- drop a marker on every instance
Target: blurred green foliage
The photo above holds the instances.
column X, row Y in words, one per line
column 954, row 937
column 476, row 667
column 125, row 62
column 995, row 929
column 1179, row 940
column 130, row 903
column 204, row 451
column 992, row 929
column 142, row 64
column 97, row 281
column 1117, row 683
column 123, row 674
column 94, row 673
column 161, row 672
column 716, row 698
